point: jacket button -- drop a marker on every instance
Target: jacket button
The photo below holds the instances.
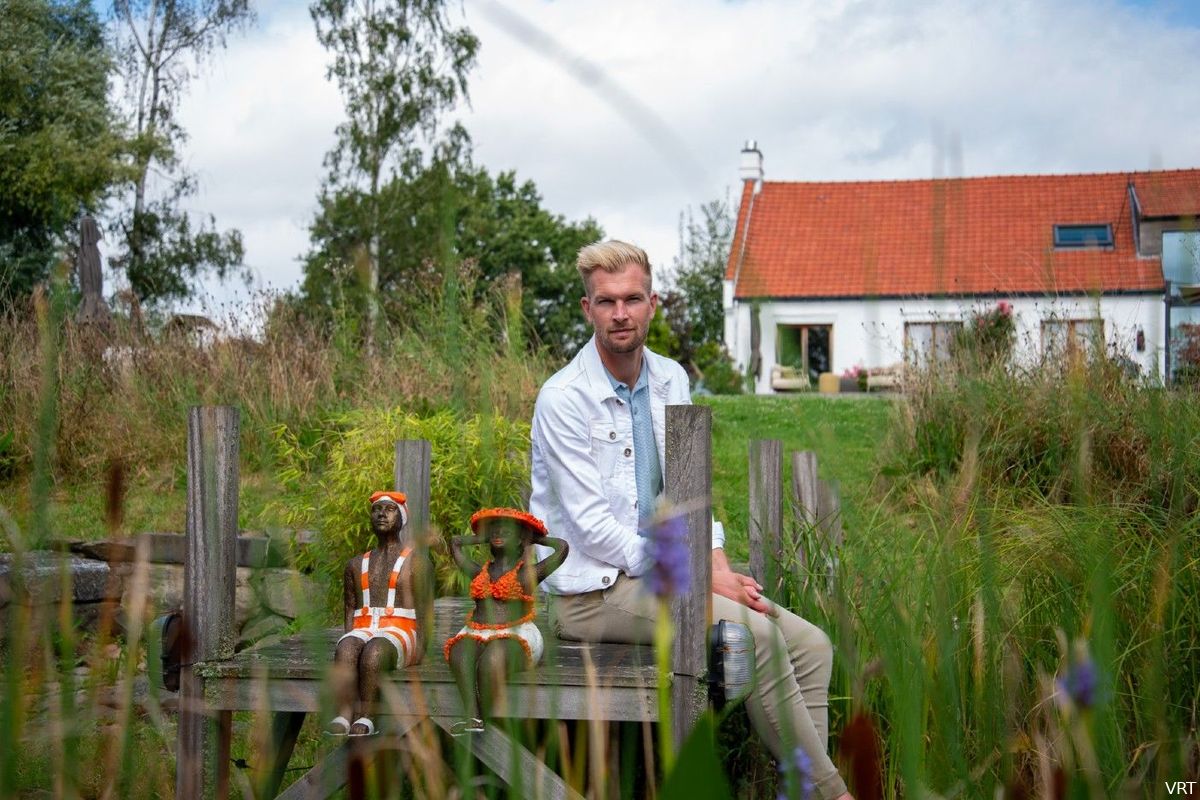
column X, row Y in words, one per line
column 604, row 580
column 628, row 452
column 612, row 434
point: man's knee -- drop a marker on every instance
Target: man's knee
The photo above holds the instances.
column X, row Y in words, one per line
column 806, row 641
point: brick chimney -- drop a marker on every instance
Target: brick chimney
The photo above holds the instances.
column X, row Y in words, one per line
column 751, row 166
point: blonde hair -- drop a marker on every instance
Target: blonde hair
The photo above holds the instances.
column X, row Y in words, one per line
column 610, row 256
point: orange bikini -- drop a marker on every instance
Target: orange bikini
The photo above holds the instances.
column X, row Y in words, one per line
column 397, row 625
column 506, row 588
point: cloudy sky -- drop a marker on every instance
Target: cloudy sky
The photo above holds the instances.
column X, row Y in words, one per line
column 630, row 111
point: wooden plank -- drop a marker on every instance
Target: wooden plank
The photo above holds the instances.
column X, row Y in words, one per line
column 210, row 572
column 766, row 512
column 441, row 700
column 411, row 476
column 285, row 728
column 515, row 765
column 330, row 773
column 688, row 486
column 326, row 777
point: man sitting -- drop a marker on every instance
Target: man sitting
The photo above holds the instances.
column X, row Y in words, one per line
column 599, row 431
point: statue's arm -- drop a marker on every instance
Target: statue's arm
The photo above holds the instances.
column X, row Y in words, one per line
column 350, row 580
column 465, row 562
column 555, row 559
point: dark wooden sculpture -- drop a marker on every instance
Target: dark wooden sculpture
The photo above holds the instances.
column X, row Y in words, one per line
column 500, row 636
column 389, row 605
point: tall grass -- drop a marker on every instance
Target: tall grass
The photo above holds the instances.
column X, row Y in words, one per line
column 1027, row 523
column 1034, row 525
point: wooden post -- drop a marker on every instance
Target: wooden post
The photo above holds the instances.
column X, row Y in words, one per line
column 804, row 494
column 766, row 512
column 209, row 580
column 411, row 476
column 688, row 482
column 829, row 523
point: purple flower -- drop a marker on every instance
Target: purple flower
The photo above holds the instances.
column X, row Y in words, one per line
column 667, row 547
column 795, row 777
column 1079, row 683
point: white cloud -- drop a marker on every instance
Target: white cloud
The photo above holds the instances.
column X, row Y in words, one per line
column 831, row 90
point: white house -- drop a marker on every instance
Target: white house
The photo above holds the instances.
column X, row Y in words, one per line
column 825, row 277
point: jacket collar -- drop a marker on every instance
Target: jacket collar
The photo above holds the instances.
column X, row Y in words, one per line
column 597, row 376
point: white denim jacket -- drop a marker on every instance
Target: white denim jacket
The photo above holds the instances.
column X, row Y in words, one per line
column 583, row 480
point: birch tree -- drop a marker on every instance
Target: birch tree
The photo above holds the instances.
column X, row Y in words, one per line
column 159, row 45
column 400, row 66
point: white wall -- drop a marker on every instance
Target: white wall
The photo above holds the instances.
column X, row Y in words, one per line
column 870, row 333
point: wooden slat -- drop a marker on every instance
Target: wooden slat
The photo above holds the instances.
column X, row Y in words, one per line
column 210, row 573
column 330, row 773
column 515, row 765
column 766, row 512
column 411, row 476
column 285, row 728
column 688, row 486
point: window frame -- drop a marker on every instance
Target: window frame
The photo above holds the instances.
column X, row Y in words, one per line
column 1107, row 243
column 949, row 329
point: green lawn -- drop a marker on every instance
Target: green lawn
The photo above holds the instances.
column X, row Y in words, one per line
column 843, row 431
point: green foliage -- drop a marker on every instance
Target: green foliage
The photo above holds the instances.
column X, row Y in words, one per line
column 399, row 65
column 59, row 145
column 497, row 224
column 987, row 337
column 697, row 771
column 660, row 338
column 477, row 462
column 718, row 373
column 692, row 296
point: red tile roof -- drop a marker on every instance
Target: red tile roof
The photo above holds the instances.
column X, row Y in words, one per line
column 959, row 236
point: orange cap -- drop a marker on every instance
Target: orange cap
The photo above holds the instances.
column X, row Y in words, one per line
column 531, row 523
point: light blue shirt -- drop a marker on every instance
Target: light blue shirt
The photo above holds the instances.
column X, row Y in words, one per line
column 647, row 472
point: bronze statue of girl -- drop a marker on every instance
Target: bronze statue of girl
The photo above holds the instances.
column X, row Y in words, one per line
column 380, row 638
column 500, row 636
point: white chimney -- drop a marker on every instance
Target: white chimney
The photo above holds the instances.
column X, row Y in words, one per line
column 751, row 167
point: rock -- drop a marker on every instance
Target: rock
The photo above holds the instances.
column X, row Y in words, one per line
column 259, row 629
column 41, row 580
column 166, row 592
column 286, row 592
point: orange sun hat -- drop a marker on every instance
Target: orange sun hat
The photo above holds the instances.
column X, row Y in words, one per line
column 531, row 523
column 399, row 498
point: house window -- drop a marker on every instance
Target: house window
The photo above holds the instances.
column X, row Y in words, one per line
column 1083, row 237
column 1072, row 338
column 928, row 343
column 808, row 349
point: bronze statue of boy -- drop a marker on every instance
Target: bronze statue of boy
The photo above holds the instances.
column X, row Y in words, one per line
column 500, row 636
column 380, row 638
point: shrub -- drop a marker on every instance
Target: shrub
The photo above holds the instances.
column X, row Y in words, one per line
column 477, row 461
column 987, row 336
column 718, row 373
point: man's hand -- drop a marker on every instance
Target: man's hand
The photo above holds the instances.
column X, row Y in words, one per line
column 740, row 588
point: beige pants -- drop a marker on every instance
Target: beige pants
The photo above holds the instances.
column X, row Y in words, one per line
column 793, row 665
